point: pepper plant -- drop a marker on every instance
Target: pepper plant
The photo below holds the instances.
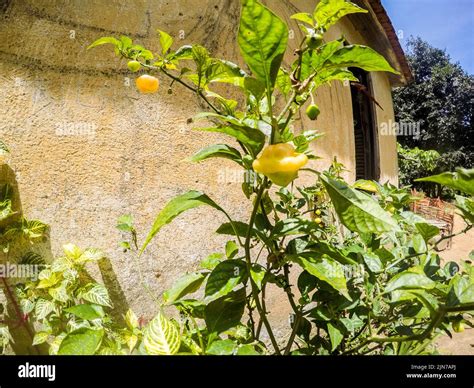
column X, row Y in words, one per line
column 369, row 277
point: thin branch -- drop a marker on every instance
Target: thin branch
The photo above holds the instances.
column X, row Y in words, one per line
column 248, row 261
column 296, row 309
column 287, row 106
column 264, row 308
column 465, row 230
column 435, row 322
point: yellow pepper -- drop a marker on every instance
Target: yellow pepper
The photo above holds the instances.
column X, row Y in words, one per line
column 280, row 163
column 147, row 84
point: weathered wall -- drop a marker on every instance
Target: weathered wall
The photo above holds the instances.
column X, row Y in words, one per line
column 127, row 151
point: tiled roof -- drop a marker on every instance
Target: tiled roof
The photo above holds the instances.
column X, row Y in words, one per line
column 387, row 25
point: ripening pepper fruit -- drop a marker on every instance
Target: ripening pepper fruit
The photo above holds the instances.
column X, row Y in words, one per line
column 458, row 326
column 314, row 40
column 134, row 66
column 312, row 111
column 280, row 163
column 147, row 84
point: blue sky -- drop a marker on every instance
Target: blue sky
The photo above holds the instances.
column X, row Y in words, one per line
column 446, row 24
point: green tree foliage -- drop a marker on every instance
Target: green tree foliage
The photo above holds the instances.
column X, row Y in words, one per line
column 441, row 100
column 414, row 163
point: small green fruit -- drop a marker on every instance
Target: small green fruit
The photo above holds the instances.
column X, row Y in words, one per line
column 312, row 112
column 458, row 326
column 134, row 66
column 318, row 220
column 318, row 212
column 314, row 41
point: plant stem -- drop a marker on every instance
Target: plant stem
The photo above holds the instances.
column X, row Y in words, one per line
column 180, row 81
column 234, row 228
column 287, row 106
column 142, row 279
column 404, row 258
column 294, row 93
column 259, row 329
column 252, row 321
column 198, row 332
column 198, row 92
column 465, row 230
column 435, row 322
column 295, row 308
column 264, row 309
column 248, row 261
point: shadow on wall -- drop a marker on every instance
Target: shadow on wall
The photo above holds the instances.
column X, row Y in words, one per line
column 115, row 290
column 11, row 215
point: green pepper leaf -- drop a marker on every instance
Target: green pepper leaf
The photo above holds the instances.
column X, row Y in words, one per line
column 373, row 262
column 408, row 280
column 225, row 277
column 461, row 290
column 175, row 207
column 325, row 269
column 357, row 211
column 283, row 82
column 222, row 348
column 426, row 230
column 312, row 61
column 104, row 40
column 462, row 180
column 225, row 312
column 231, row 249
column 466, row 206
column 304, row 17
column 165, row 41
column 262, row 39
column 335, row 335
column 328, row 12
column 359, row 56
column 185, row 285
column 217, row 151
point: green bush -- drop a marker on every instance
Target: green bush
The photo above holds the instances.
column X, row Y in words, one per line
column 415, row 163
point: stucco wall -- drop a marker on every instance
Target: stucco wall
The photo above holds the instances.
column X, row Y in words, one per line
column 127, row 153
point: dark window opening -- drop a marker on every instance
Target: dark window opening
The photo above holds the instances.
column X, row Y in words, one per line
column 365, row 134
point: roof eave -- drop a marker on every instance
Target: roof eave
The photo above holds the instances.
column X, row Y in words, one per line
column 382, row 23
